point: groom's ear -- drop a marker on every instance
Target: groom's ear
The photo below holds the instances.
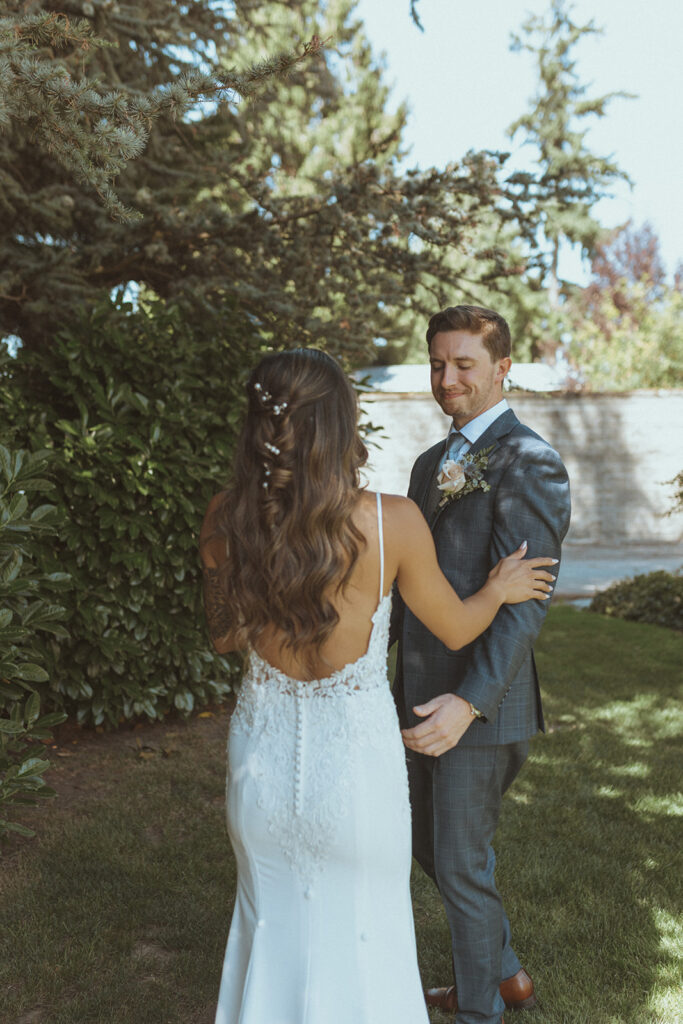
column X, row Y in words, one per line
column 502, row 369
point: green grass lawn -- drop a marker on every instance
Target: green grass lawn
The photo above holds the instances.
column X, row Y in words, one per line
column 118, row 912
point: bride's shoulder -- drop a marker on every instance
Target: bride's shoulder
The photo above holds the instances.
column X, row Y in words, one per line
column 396, row 510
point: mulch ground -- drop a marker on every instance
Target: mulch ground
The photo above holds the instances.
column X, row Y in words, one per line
column 84, row 760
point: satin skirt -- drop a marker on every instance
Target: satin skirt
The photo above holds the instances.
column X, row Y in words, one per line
column 318, row 816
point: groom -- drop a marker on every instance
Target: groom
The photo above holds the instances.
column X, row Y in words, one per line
column 467, row 716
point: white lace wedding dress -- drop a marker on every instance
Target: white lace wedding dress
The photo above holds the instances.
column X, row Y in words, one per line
column 318, row 815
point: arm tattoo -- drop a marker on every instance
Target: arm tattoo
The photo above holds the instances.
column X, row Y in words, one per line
column 215, row 605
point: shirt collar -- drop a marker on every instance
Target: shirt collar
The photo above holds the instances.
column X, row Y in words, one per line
column 473, row 430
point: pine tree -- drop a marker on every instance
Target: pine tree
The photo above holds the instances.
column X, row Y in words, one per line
column 291, row 204
column 572, row 178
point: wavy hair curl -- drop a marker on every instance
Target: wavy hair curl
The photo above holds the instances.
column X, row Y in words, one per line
column 286, row 516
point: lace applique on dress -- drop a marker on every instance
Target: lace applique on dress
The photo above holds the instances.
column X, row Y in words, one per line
column 301, row 778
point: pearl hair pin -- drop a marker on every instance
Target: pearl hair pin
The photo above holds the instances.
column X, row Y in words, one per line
column 266, row 398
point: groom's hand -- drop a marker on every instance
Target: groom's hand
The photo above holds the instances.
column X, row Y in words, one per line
column 447, row 718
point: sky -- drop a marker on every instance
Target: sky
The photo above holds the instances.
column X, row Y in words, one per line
column 464, row 87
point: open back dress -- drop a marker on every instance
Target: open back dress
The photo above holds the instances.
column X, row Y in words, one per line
column 318, row 816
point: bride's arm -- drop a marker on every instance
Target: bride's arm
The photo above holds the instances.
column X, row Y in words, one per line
column 430, row 596
column 213, row 553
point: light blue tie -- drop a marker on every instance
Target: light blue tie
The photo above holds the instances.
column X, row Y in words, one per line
column 456, row 442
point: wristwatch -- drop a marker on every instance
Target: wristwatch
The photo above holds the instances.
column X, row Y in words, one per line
column 475, row 712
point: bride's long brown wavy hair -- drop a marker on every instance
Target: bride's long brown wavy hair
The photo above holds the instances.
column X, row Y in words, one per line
column 286, row 516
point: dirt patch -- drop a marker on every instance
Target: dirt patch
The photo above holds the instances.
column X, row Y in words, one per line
column 80, row 756
column 152, row 954
column 85, row 761
column 35, row 1016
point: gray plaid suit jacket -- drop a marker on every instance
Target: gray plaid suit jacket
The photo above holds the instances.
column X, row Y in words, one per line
column 528, row 500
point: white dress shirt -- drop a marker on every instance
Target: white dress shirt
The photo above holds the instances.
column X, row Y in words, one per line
column 473, row 430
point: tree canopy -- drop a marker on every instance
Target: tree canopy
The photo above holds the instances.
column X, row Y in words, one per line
column 290, row 202
column 626, row 325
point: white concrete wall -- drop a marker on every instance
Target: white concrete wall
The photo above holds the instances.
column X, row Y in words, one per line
column 620, row 450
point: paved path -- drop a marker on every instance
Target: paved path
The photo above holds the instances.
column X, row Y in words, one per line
column 587, row 568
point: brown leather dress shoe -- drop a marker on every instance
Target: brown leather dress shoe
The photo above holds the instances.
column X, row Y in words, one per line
column 442, row 998
column 517, row 993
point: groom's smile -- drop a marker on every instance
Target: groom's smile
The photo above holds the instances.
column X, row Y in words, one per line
column 465, row 380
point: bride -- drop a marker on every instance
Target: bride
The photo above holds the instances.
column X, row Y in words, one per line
column 299, row 563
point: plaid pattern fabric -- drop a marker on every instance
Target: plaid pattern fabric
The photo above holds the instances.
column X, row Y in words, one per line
column 456, row 797
column 456, row 802
column 528, row 500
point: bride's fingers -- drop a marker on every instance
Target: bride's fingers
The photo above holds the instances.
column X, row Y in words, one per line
column 540, row 584
column 536, row 563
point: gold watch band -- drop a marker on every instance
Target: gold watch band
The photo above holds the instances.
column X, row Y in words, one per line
column 475, row 712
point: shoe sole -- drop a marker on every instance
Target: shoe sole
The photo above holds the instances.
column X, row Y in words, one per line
column 524, row 1004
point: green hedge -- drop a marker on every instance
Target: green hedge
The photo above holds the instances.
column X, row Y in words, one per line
column 28, row 612
column 140, row 408
column 655, row 597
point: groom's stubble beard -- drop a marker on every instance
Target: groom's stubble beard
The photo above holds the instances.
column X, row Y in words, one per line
column 464, row 403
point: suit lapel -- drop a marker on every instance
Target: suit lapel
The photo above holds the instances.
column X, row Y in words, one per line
column 428, row 478
column 491, row 438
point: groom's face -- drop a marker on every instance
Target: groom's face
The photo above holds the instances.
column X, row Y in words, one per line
column 465, row 380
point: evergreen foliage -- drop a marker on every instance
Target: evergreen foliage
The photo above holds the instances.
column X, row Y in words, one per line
column 291, row 203
column 654, row 597
column 572, row 178
column 93, row 132
column 140, row 409
column 26, row 612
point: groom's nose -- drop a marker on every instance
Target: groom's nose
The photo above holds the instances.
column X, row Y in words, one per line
column 450, row 376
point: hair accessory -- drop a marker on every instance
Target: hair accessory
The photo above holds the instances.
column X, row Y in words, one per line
column 265, row 398
column 271, row 448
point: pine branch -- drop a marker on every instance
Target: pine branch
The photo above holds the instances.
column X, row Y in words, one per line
column 95, row 134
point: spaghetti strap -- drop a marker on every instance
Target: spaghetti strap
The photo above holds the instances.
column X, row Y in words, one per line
column 380, row 533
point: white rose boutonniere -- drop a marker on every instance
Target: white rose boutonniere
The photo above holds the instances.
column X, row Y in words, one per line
column 456, row 479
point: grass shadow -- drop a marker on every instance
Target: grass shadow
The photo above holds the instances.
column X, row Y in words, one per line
column 589, row 861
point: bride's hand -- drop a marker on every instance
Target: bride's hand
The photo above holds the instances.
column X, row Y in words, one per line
column 522, row 579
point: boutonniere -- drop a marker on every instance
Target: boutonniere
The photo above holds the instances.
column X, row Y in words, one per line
column 457, row 479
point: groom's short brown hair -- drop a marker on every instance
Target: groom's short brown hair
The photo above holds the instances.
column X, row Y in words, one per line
column 477, row 320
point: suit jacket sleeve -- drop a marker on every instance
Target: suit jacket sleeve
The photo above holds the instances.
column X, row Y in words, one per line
column 531, row 503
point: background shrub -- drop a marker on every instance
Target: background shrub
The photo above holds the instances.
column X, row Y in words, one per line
column 140, row 409
column 26, row 612
column 655, row 597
